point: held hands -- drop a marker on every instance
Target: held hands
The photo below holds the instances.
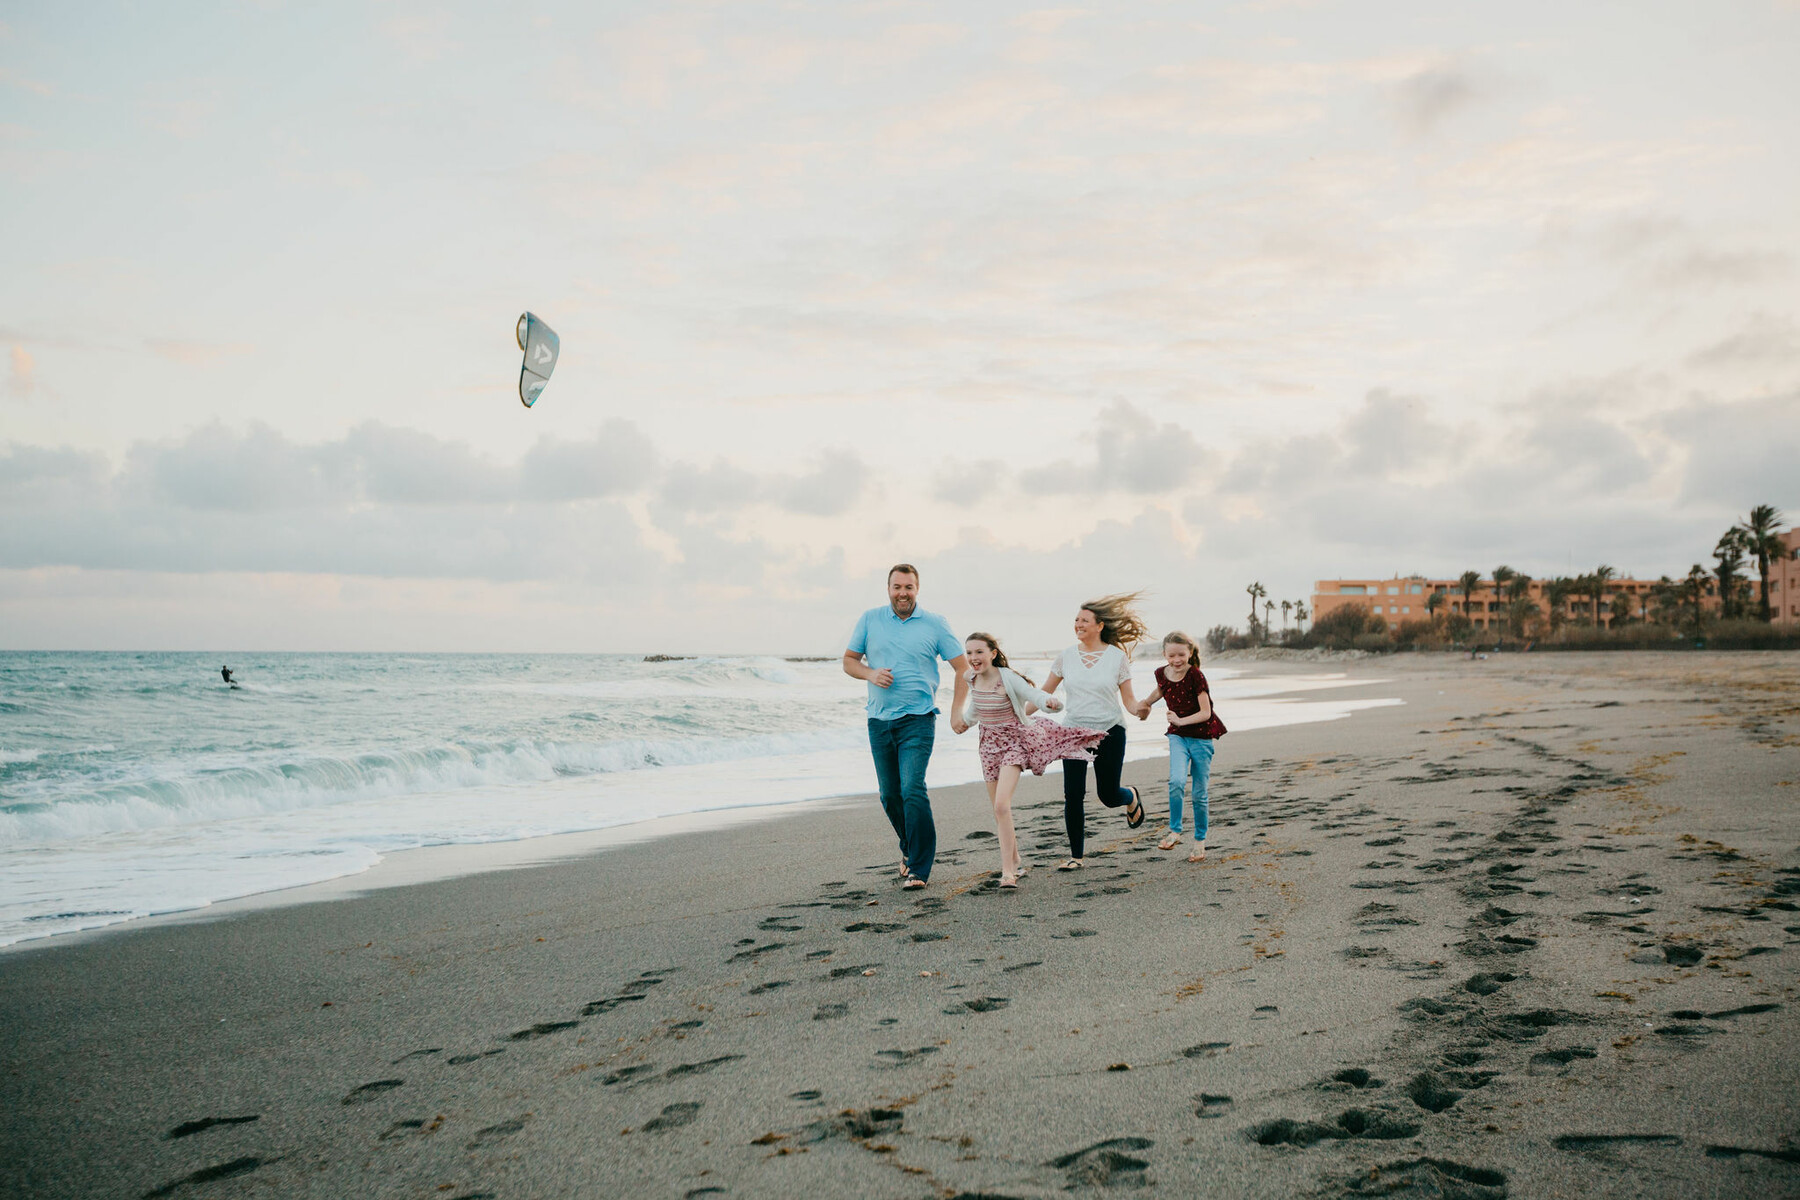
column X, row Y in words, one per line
column 1052, row 704
column 958, row 725
column 1143, row 711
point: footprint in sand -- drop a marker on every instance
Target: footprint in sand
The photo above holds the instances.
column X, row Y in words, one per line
column 831, row 1011
column 371, row 1091
column 497, row 1133
column 190, row 1128
column 673, row 1116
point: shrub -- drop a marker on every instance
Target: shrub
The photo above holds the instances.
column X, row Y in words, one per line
column 1219, row 637
column 1340, row 628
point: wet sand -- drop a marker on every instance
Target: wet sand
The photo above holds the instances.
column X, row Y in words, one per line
column 1536, row 932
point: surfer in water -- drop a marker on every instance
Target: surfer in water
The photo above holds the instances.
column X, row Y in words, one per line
column 225, row 673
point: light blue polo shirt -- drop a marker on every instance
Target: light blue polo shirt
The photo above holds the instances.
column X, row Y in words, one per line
column 910, row 649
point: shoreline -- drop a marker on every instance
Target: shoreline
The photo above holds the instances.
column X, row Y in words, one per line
column 1482, row 943
column 1308, row 691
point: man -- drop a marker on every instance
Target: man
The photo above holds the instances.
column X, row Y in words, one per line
column 896, row 649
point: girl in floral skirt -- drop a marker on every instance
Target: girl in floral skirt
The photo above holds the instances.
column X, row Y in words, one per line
column 1001, row 701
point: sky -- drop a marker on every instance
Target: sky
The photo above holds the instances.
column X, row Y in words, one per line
column 1052, row 302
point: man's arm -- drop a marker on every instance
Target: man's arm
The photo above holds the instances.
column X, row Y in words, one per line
column 856, row 668
column 959, row 666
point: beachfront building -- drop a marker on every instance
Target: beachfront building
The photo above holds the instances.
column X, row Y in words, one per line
column 1408, row 598
column 1784, row 583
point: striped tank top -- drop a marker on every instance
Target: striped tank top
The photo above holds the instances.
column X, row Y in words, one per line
column 994, row 708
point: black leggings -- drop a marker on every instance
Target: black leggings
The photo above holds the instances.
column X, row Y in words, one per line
column 1109, row 761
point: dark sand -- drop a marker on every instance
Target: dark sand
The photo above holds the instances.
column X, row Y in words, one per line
column 1532, row 934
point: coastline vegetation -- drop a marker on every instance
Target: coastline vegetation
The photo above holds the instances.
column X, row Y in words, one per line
column 1705, row 609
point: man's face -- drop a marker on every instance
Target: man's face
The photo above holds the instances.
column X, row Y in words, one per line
column 903, row 593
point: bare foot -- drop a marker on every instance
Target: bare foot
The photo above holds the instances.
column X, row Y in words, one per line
column 1199, row 854
column 913, row 882
column 1009, row 881
column 1169, row 842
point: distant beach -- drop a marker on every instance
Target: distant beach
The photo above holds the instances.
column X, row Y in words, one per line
column 1531, row 932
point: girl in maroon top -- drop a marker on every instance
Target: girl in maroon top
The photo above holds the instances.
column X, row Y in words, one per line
column 1193, row 725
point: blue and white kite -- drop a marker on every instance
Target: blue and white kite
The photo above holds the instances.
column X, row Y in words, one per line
column 541, row 346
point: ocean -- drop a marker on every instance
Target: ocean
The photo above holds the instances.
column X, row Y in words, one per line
column 135, row 784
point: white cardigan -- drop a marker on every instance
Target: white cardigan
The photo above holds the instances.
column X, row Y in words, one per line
column 1019, row 692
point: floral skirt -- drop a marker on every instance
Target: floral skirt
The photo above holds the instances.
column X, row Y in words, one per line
column 1034, row 745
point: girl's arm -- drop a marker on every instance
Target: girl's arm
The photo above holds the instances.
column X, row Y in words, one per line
column 1036, row 698
column 1199, row 715
column 1143, row 709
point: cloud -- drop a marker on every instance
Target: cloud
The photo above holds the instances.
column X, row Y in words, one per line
column 196, row 354
column 23, row 381
column 828, row 490
column 1425, row 99
column 1766, row 340
column 1132, row 453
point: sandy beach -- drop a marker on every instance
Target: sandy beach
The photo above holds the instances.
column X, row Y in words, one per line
column 1535, row 932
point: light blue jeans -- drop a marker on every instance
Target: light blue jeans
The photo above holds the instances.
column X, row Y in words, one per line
column 1189, row 757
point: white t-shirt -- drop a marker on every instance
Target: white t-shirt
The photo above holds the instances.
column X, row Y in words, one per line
column 1092, row 692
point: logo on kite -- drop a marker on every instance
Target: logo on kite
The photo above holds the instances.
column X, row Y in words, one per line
column 540, row 344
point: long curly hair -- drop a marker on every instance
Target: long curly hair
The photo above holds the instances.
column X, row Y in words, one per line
column 1120, row 624
column 999, row 654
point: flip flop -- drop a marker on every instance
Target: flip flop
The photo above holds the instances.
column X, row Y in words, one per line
column 1170, row 842
column 1074, row 864
column 913, row 883
column 1011, row 885
column 1137, row 802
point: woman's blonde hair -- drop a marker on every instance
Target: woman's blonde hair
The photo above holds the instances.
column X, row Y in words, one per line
column 1178, row 638
column 999, row 654
column 1120, row 624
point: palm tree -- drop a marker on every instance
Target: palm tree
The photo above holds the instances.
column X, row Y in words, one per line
column 1729, row 554
column 1257, row 592
column 1597, row 582
column 1693, row 592
column 1519, row 610
column 1556, row 597
column 1300, row 613
column 1468, row 583
column 1759, row 538
column 1502, row 577
column 1268, row 615
column 1434, row 602
column 1621, row 610
column 1287, row 606
column 1519, row 587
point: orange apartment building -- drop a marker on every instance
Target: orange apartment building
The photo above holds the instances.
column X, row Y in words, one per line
column 1406, row 598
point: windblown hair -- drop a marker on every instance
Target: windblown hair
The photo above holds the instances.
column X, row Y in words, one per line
column 1177, row 638
column 999, row 655
column 1120, row 624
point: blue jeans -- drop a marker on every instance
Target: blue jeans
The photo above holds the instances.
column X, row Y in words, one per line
column 902, row 748
column 1189, row 756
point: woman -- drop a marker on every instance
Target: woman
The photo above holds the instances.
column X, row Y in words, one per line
column 1098, row 671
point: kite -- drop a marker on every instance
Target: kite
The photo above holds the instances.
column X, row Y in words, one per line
column 541, row 345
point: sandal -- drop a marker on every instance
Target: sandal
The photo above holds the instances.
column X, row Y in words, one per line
column 1010, row 882
column 1199, row 854
column 913, row 883
column 1169, row 842
column 1137, row 803
column 1074, row 864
